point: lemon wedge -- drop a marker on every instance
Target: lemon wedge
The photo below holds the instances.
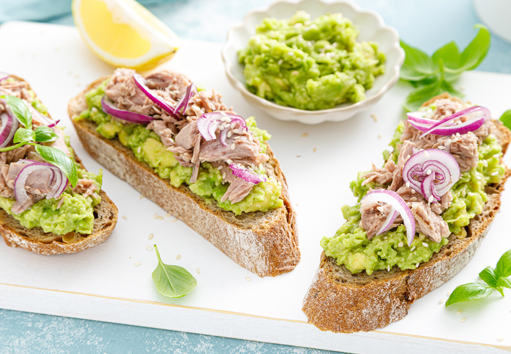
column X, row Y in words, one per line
column 124, row 33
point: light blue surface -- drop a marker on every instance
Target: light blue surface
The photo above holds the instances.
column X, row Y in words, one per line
column 425, row 24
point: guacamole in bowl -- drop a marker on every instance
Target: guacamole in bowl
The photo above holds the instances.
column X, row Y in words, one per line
column 312, row 62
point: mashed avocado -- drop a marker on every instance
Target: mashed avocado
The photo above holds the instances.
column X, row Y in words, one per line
column 310, row 64
column 147, row 147
column 351, row 247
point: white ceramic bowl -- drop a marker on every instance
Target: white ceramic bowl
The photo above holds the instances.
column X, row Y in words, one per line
column 371, row 27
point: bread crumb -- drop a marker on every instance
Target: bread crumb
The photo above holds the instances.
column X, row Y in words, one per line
column 197, row 270
column 374, row 117
column 463, row 320
column 379, row 136
column 178, row 257
column 298, row 155
column 150, row 237
column 247, row 279
column 175, row 220
column 125, row 217
column 141, row 196
column 459, row 312
column 500, row 339
column 70, row 72
column 314, row 150
column 149, row 248
column 442, row 300
column 138, row 264
column 168, row 215
column 158, row 217
column 304, row 135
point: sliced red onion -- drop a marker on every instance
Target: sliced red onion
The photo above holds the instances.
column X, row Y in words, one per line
column 54, row 124
column 183, row 102
column 140, row 81
column 431, row 172
column 388, row 223
column 392, row 198
column 481, row 115
column 246, row 175
column 9, row 125
column 58, row 182
column 109, row 108
column 208, row 123
column 4, row 76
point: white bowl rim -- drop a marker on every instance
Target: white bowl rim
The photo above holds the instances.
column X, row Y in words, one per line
column 389, row 84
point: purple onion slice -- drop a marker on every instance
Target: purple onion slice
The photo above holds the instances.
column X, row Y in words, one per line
column 109, row 108
column 246, row 175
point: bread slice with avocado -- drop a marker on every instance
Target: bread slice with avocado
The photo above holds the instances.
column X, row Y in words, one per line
column 92, row 227
column 264, row 242
column 341, row 300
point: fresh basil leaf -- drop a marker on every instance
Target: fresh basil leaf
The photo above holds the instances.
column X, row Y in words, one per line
column 61, row 160
column 469, row 292
column 20, row 110
column 505, row 118
column 421, row 95
column 24, row 135
column 417, row 66
column 503, row 268
column 45, row 134
column 476, row 51
column 172, row 281
column 447, row 87
column 489, row 277
column 504, row 283
column 449, row 54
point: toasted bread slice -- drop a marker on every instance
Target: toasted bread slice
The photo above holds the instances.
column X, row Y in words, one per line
column 340, row 301
column 265, row 243
column 37, row 241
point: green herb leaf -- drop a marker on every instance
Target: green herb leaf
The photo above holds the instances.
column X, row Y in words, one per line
column 504, row 283
column 469, row 292
column 45, row 135
column 24, row 135
column 449, row 54
column 476, row 51
column 503, row 268
column 417, row 66
column 61, row 160
column 489, row 277
column 172, row 281
column 20, row 110
column 421, row 95
column 505, row 118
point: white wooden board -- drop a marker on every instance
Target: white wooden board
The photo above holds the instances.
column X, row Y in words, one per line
column 103, row 283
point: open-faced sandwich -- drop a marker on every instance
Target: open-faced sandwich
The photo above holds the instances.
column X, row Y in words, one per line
column 419, row 220
column 49, row 203
column 185, row 150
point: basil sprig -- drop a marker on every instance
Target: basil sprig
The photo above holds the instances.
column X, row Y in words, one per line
column 42, row 134
column 172, row 281
column 505, row 118
column 494, row 278
column 433, row 75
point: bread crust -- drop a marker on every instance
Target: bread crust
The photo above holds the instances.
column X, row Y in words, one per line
column 340, row 301
column 263, row 243
column 37, row 241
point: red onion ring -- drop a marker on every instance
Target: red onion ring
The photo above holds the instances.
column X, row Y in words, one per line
column 54, row 124
column 246, row 175
column 208, row 123
column 474, row 123
column 392, row 198
column 444, row 172
column 109, row 108
column 58, row 182
column 183, row 102
column 388, row 222
column 140, row 81
column 9, row 125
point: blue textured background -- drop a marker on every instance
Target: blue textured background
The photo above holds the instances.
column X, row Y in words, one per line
column 425, row 24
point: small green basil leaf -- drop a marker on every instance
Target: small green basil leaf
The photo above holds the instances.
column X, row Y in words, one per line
column 45, row 135
column 504, row 283
column 503, row 268
column 505, row 118
column 476, row 51
column 421, row 95
column 20, row 110
column 489, row 277
column 417, row 66
column 172, row 281
column 24, row 135
column 469, row 292
column 450, row 55
column 447, row 87
column 61, row 160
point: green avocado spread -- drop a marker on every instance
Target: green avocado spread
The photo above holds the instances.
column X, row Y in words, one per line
column 147, row 147
column 350, row 246
column 75, row 214
column 310, row 64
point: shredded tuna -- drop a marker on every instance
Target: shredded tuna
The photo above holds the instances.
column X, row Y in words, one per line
column 237, row 191
column 85, row 187
column 162, row 130
column 381, row 176
column 60, row 143
column 373, row 216
column 429, row 223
